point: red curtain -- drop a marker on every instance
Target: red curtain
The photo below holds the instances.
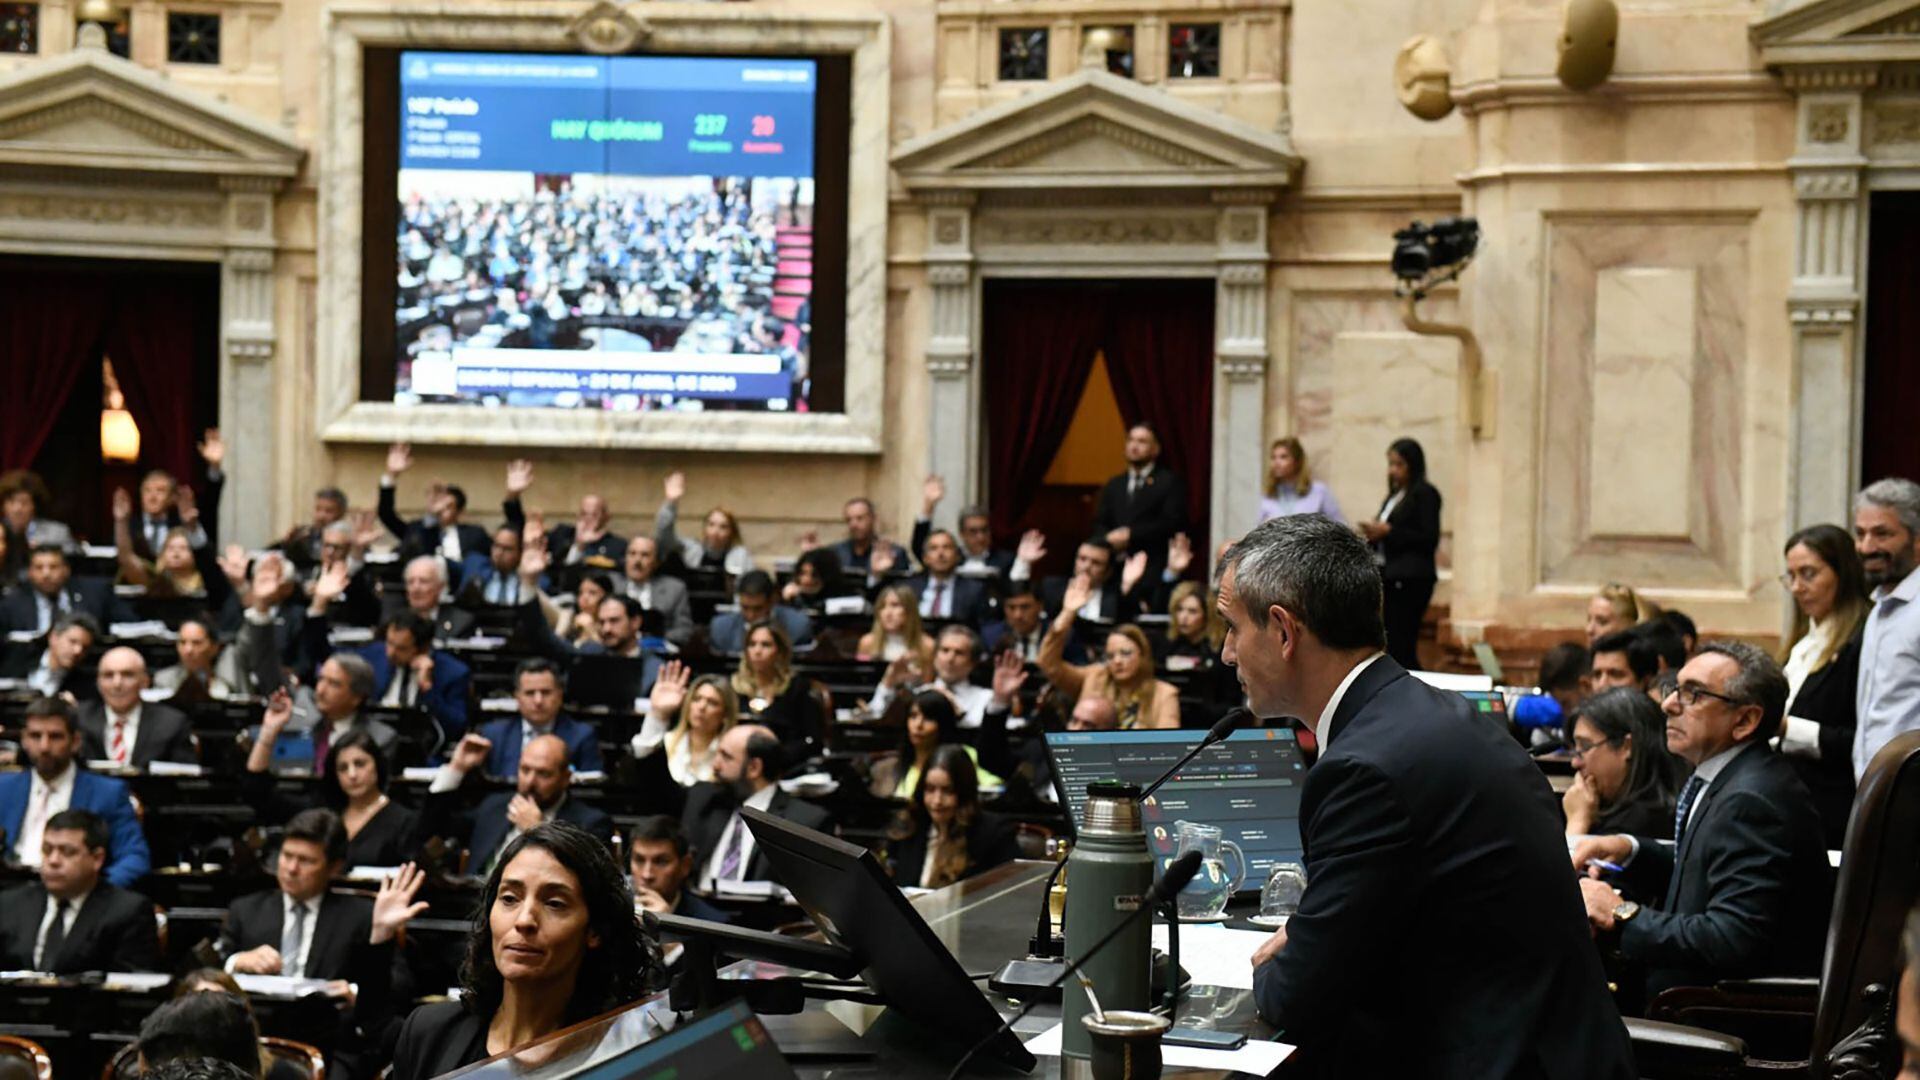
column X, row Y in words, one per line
column 49, row 331
column 1159, row 348
column 1037, row 345
column 150, row 340
column 1892, row 398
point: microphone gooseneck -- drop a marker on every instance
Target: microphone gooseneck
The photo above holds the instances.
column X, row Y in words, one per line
column 1226, row 726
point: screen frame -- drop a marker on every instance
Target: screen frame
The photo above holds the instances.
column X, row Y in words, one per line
column 356, row 32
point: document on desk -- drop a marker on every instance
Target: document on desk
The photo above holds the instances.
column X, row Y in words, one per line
column 136, row 980
column 1257, row 1058
column 1215, row 955
column 282, row 986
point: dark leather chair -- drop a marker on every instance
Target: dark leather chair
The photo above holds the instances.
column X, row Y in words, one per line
column 1846, row 1016
column 308, row 1059
column 23, row 1059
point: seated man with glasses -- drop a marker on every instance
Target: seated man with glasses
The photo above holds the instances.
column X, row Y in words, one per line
column 1745, row 888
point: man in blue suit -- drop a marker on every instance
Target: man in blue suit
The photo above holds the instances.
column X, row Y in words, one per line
column 409, row 672
column 538, row 688
column 540, row 793
column 754, row 594
column 28, row 800
column 943, row 593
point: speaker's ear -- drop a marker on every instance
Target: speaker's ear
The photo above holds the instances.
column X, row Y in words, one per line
column 1423, row 78
column 1589, row 31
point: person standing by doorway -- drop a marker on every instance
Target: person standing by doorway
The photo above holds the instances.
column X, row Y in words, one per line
column 1405, row 536
column 1141, row 509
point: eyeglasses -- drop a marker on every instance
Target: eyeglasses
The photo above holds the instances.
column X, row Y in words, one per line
column 1691, row 693
column 1581, row 747
column 1804, row 576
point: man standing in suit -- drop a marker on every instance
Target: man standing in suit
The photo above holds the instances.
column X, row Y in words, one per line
column 1142, row 508
column 1745, row 887
column 660, row 861
column 538, row 689
column 1440, row 934
column 746, row 766
column 70, row 920
column 31, row 799
column 945, row 594
column 541, row 793
column 125, row 730
column 666, row 595
column 51, row 592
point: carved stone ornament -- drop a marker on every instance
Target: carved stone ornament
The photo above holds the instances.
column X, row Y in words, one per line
column 947, row 228
column 1826, row 123
column 1098, row 230
column 111, row 211
column 1896, row 124
column 607, row 28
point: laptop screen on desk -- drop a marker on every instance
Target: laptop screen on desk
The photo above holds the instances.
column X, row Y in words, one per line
column 1248, row 785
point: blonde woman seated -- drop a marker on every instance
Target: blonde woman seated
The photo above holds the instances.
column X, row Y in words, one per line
column 699, row 710
column 1125, row 676
column 177, row 571
column 897, row 631
column 932, row 722
column 770, row 694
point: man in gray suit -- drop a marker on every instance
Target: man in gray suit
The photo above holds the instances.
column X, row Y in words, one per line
column 666, row 595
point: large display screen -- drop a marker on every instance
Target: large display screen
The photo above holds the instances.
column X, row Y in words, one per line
column 620, row 233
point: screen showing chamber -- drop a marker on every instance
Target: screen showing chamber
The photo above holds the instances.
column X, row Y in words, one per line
column 1248, row 786
column 620, row 233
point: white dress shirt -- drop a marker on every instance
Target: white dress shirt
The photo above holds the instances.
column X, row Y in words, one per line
column 759, row 800
column 44, row 679
column 41, row 962
column 127, row 737
column 1887, row 699
column 50, row 608
column 44, row 799
column 1339, row 692
column 1799, row 736
column 1706, row 771
column 970, row 701
column 402, row 690
column 294, row 966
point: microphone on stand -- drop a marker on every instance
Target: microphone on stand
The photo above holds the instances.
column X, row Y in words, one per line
column 1179, row 873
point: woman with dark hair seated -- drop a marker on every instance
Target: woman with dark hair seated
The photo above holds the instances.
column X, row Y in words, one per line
column 932, row 723
column 380, row 832
column 943, row 835
column 555, row 941
column 816, row 579
column 1625, row 781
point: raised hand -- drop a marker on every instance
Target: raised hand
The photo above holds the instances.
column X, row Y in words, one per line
column 519, row 477
column 670, row 689
column 366, row 529
column 123, row 508
column 884, row 558
column 183, row 501
column 422, row 666
column 1120, row 538
column 471, row 753
column 279, row 712
column 399, row 458
column 395, row 906
column 1132, row 571
column 931, row 493
column 213, row 449
column 534, row 560
column 587, row 531
column 233, row 563
column 331, row 585
column 1079, row 592
column 1009, row 674
column 1033, row 546
column 676, row 486
column 1179, row 554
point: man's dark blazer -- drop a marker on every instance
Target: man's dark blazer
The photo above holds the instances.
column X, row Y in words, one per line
column 1000, row 559
column 207, row 501
column 127, row 856
column 1827, row 697
column 21, row 660
column 728, row 631
column 854, row 562
column 301, row 546
column 484, row 828
column 1154, row 514
column 583, row 744
column 1442, row 929
column 421, row 536
column 339, row 949
column 1409, row 548
column 20, row 610
column 267, row 651
column 996, row 636
column 445, row 700
column 710, row 806
column 1747, row 892
column 967, row 600
column 450, row 621
column 165, row 734
column 671, row 601
column 609, row 547
column 113, row 931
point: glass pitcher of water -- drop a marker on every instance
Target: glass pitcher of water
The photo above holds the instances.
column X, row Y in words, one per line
column 1206, row 896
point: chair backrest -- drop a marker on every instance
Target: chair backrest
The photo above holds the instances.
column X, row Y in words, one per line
column 23, row 1059
column 1878, row 883
column 124, row 1064
column 308, row 1059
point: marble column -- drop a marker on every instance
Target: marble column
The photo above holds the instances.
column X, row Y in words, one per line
column 953, row 418
column 1824, row 300
column 247, row 339
column 1239, row 389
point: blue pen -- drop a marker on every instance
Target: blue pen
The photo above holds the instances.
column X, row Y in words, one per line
column 1607, row 866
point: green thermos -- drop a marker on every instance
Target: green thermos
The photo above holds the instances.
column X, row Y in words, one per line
column 1108, row 877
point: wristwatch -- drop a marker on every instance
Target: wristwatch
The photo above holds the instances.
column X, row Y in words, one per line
column 1625, row 910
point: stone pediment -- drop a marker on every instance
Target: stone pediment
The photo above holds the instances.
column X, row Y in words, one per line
column 1094, row 129
column 1839, row 32
column 91, row 111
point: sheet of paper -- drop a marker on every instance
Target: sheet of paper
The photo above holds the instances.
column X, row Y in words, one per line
column 1215, row 955
column 283, row 986
column 1258, row 1057
column 135, row 980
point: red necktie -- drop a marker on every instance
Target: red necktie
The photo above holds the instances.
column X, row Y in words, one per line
column 118, row 750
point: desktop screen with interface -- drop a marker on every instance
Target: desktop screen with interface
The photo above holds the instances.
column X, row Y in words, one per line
column 1248, row 785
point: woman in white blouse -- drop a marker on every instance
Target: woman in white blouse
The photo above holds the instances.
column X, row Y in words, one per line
column 701, row 710
column 1822, row 663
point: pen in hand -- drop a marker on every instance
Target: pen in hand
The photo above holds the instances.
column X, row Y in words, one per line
column 1612, row 868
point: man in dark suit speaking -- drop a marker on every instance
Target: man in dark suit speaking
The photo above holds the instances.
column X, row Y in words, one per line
column 1441, row 933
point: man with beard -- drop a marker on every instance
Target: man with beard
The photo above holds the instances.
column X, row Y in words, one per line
column 746, row 765
column 540, row 794
column 1886, row 532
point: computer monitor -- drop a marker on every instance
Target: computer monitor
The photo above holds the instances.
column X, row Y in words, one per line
column 1248, row 785
column 1489, row 705
column 853, row 902
column 728, row 1042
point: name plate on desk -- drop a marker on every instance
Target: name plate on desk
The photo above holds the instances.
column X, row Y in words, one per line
column 846, row 605
column 146, row 628
column 136, row 980
column 174, row 768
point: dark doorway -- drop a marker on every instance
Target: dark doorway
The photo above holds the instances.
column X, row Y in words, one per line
column 1145, row 348
column 158, row 323
column 1892, row 399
